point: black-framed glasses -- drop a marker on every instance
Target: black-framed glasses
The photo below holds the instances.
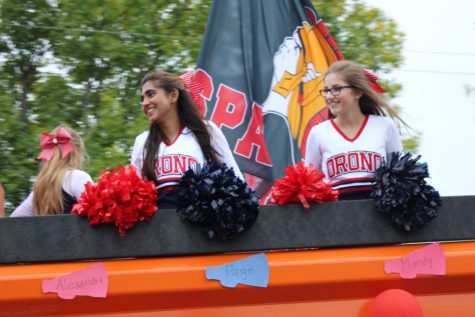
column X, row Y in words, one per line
column 335, row 91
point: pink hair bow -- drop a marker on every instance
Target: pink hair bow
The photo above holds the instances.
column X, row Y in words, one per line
column 372, row 78
column 50, row 142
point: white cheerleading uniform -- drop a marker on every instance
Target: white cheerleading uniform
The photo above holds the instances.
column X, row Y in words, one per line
column 349, row 164
column 175, row 158
column 74, row 183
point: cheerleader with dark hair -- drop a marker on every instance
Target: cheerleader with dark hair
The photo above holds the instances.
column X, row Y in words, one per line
column 178, row 138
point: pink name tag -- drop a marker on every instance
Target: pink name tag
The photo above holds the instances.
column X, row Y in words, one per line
column 429, row 260
column 92, row 281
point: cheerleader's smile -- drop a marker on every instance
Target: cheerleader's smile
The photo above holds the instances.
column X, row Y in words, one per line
column 157, row 103
column 339, row 96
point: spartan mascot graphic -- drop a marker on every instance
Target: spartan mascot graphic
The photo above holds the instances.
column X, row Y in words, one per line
column 294, row 104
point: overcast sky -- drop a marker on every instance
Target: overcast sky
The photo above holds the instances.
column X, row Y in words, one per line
column 439, row 53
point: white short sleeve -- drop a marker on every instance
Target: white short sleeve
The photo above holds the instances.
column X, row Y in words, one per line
column 313, row 154
column 393, row 139
column 25, row 209
column 136, row 158
column 74, row 182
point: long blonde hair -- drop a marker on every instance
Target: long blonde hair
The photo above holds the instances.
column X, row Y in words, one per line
column 370, row 102
column 48, row 198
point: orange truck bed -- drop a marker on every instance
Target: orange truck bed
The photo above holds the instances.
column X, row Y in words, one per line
column 337, row 282
column 320, row 264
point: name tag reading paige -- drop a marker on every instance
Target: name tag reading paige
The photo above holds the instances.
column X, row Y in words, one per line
column 251, row 271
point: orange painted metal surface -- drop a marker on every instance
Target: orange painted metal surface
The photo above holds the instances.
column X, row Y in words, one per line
column 332, row 282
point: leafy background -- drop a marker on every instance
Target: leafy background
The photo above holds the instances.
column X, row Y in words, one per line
column 79, row 63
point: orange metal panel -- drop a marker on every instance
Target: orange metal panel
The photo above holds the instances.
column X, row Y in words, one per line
column 332, row 282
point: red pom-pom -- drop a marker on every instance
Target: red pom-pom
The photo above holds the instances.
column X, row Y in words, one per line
column 120, row 197
column 302, row 184
column 395, row 302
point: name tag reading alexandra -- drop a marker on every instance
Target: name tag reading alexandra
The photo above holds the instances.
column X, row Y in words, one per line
column 92, row 281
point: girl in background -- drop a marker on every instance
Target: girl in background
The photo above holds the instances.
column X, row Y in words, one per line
column 60, row 180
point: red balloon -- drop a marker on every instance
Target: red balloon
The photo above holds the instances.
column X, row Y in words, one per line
column 395, row 303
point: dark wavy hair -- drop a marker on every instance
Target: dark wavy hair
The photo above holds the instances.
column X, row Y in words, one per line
column 189, row 116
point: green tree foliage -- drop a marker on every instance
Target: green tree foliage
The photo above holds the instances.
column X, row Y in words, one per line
column 411, row 143
column 79, row 62
column 107, row 46
column 365, row 35
column 23, row 50
column 24, row 47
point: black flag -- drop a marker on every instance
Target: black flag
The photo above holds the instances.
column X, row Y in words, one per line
column 260, row 68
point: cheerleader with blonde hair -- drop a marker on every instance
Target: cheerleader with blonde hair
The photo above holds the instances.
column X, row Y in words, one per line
column 360, row 134
column 60, row 180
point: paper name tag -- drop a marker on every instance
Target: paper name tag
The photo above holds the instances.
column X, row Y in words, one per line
column 428, row 260
column 92, row 281
column 252, row 271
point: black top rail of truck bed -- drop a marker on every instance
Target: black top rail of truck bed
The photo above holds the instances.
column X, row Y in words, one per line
column 327, row 225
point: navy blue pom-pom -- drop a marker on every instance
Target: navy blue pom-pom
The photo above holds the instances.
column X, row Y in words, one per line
column 401, row 191
column 217, row 199
column 419, row 211
column 398, row 180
